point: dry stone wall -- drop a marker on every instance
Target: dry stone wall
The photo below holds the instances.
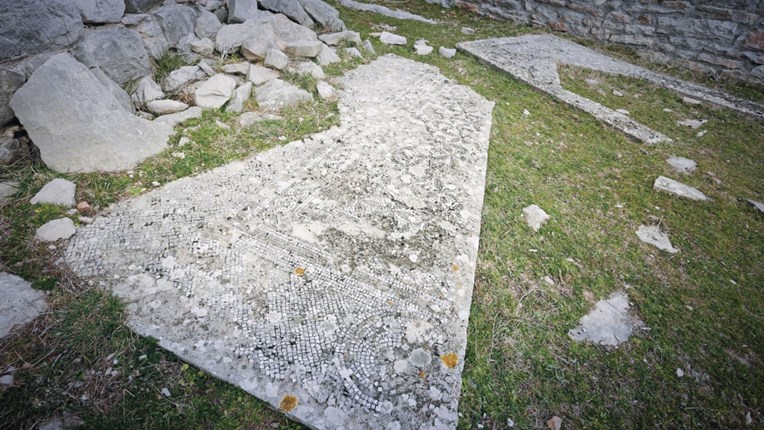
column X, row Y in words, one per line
column 723, row 38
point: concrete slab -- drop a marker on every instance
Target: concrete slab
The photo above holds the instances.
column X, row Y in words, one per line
column 534, row 59
column 331, row 277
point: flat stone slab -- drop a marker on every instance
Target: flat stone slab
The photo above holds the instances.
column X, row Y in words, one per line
column 662, row 183
column 386, row 11
column 20, row 304
column 331, row 277
column 652, row 235
column 610, row 323
column 534, row 59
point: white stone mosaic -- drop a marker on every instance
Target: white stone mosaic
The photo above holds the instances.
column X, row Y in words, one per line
column 331, row 277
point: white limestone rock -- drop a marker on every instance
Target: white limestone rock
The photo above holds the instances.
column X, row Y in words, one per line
column 237, row 68
column 7, row 190
column 207, row 25
column 608, row 324
column 334, row 39
column 652, row 235
column 304, row 48
column 756, row 204
column 177, row 21
column 367, row 45
column 163, row 107
column 325, row 16
column 203, row 46
column 51, row 231
column 681, row 164
column 250, row 118
column 327, row 56
column 671, row 186
column 101, row 11
column 535, row 217
column 56, row 192
column 276, row 94
column 392, row 39
column 276, row 59
column 215, row 92
column 241, row 95
column 290, row 8
column 146, row 91
column 353, row 52
column 693, row 124
column 257, row 47
column 311, row 69
column 183, row 76
column 205, row 67
column 325, row 90
column 423, row 49
column 259, row 75
column 118, row 52
column 447, row 52
column 174, row 119
column 20, row 304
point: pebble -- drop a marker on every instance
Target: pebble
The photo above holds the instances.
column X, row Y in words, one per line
column 526, row 112
column 617, row 93
column 535, row 217
column 679, row 372
column 467, row 30
column 165, row 392
column 353, row 52
column 691, row 102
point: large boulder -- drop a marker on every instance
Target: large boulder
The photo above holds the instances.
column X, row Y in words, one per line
column 10, row 81
column 287, row 31
column 290, row 8
column 121, row 95
column 207, row 25
column 32, row 26
column 230, row 37
column 101, row 11
column 138, row 6
column 242, row 10
column 119, row 52
column 177, row 22
column 323, row 14
column 77, row 123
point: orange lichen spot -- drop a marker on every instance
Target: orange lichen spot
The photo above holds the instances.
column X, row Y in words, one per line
column 455, row 268
column 288, row 403
column 450, row 360
column 300, row 271
column 422, row 374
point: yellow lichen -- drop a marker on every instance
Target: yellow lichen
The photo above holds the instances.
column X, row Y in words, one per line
column 450, row 360
column 288, row 403
column 422, row 374
column 300, row 271
column 455, row 267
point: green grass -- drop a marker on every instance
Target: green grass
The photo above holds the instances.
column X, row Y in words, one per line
column 703, row 306
column 164, row 64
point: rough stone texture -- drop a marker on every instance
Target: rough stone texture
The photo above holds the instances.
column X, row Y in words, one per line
column 204, row 46
column 101, row 11
column 681, row 164
column 20, row 304
column 207, row 25
column 118, row 52
column 693, row 124
column 652, row 235
column 242, row 10
column 423, row 49
column 250, row 118
column 78, row 125
column 725, row 38
column 7, row 191
column 392, row 39
column 153, row 37
column 334, row 39
column 354, row 52
column 242, row 68
column 215, row 92
column 447, row 52
column 163, row 107
column 51, row 231
column 608, row 324
column 276, row 59
column 325, row 275
column 56, row 192
column 290, row 8
column 311, row 69
column 327, row 56
column 10, row 81
column 121, row 95
column 757, row 205
column 259, row 75
column 325, row 90
column 386, row 11
column 33, row 26
column 241, row 94
column 323, row 14
column 138, row 6
column 12, row 150
column 673, row 187
column 276, row 94
column 256, row 48
column 176, row 118
column 182, row 76
column 534, row 59
column 177, row 21
column 304, row 48
column 535, row 217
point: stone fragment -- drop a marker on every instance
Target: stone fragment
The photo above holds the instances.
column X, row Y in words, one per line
column 177, row 118
column 276, row 94
column 353, row 52
column 34, row 26
column 250, row 118
column 83, row 206
column 276, row 59
column 608, row 324
column 118, row 52
column 241, row 95
column 231, row 37
column 304, row 48
column 153, row 37
column 10, row 81
column 325, row 16
column 206, row 68
column 447, row 52
column 327, row 56
column 7, row 191
column 693, row 124
column 535, row 217
column 206, row 25
column 367, row 45
column 623, row 111
column 164, row 107
column 691, row 101
column 256, row 48
column 12, row 150
column 182, row 76
column 259, row 75
column 56, row 192
column 215, row 92
column 554, row 423
column 177, row 22
column 679, row 189
column 334, row 39
column 77, row 123
column 392, row 39
column 467, row 30
column 386, row 11
column 652, row 235
column 423, row 49
column 21, row 303
column 756, row 204
column 617, row 93
column 311, row 69
column 101, row 11
column 289, row 8
column 119, row 94
column 681, row 164
column 325, row 90
column 203, row 46
column 139, row 6
column 237, row 68
column 51, row 231
column 146, row 91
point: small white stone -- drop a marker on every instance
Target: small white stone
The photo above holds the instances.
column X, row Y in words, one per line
column 353, row 52
column 56, row 192
column 165, row 392
column 325, row 90
column 617, row 93
column 447, row 52
column 679, row 189
column 679, row 372
column 392, row 39
column 423, row 49
column 51, row 231
column 526, row 112
column 681, row 165
column 691, row 102
column 535, row 216
column 652, row 235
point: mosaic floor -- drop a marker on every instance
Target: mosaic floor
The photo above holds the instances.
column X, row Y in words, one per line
column 331, row 277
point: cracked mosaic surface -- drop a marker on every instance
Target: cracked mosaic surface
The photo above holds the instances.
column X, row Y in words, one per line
column 534, row 59
column 331, row 277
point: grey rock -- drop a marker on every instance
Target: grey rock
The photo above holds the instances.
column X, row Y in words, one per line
column 78, row 125
column 101, row 11
column 353, row 52
column 681, row 164
column 139, row 6
column 207, row 25
column 215, row 92
column 204, row 46
column 34, row 26
column 276, row 94
column 324, row 15
column 392, row 39
column 242, row 10
column 276, row 59
column 116, row 90
column 447, row 52
column 241, row 95
column 691, row 101
column 304, row 48
column 251, row 118
column 756, row 204
column 652, row 235
column 7, row 191
column 256, row 48
column 205, row 67
column 327, row 56
column 131, row 19
column 10, row 81
column 325, row 90
column 290, row 8
column 692, row 123
column 118, row 52
column 237, row 68
column 21, row 303
column 259, row 75
column 146, row 91
column 423, row 49
column 231, row 37
column 536, row 217
column 163, row 107
column 367, row 45
column 311, row 69
column 679, row 189
column 382, row 10
column 334, row 39
column 12, row 150
column 183, row 76
column 177, row 22
column 467, row 30
column 51, row 231
column 608, row 324
column 178, row 118
column 56, row 192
